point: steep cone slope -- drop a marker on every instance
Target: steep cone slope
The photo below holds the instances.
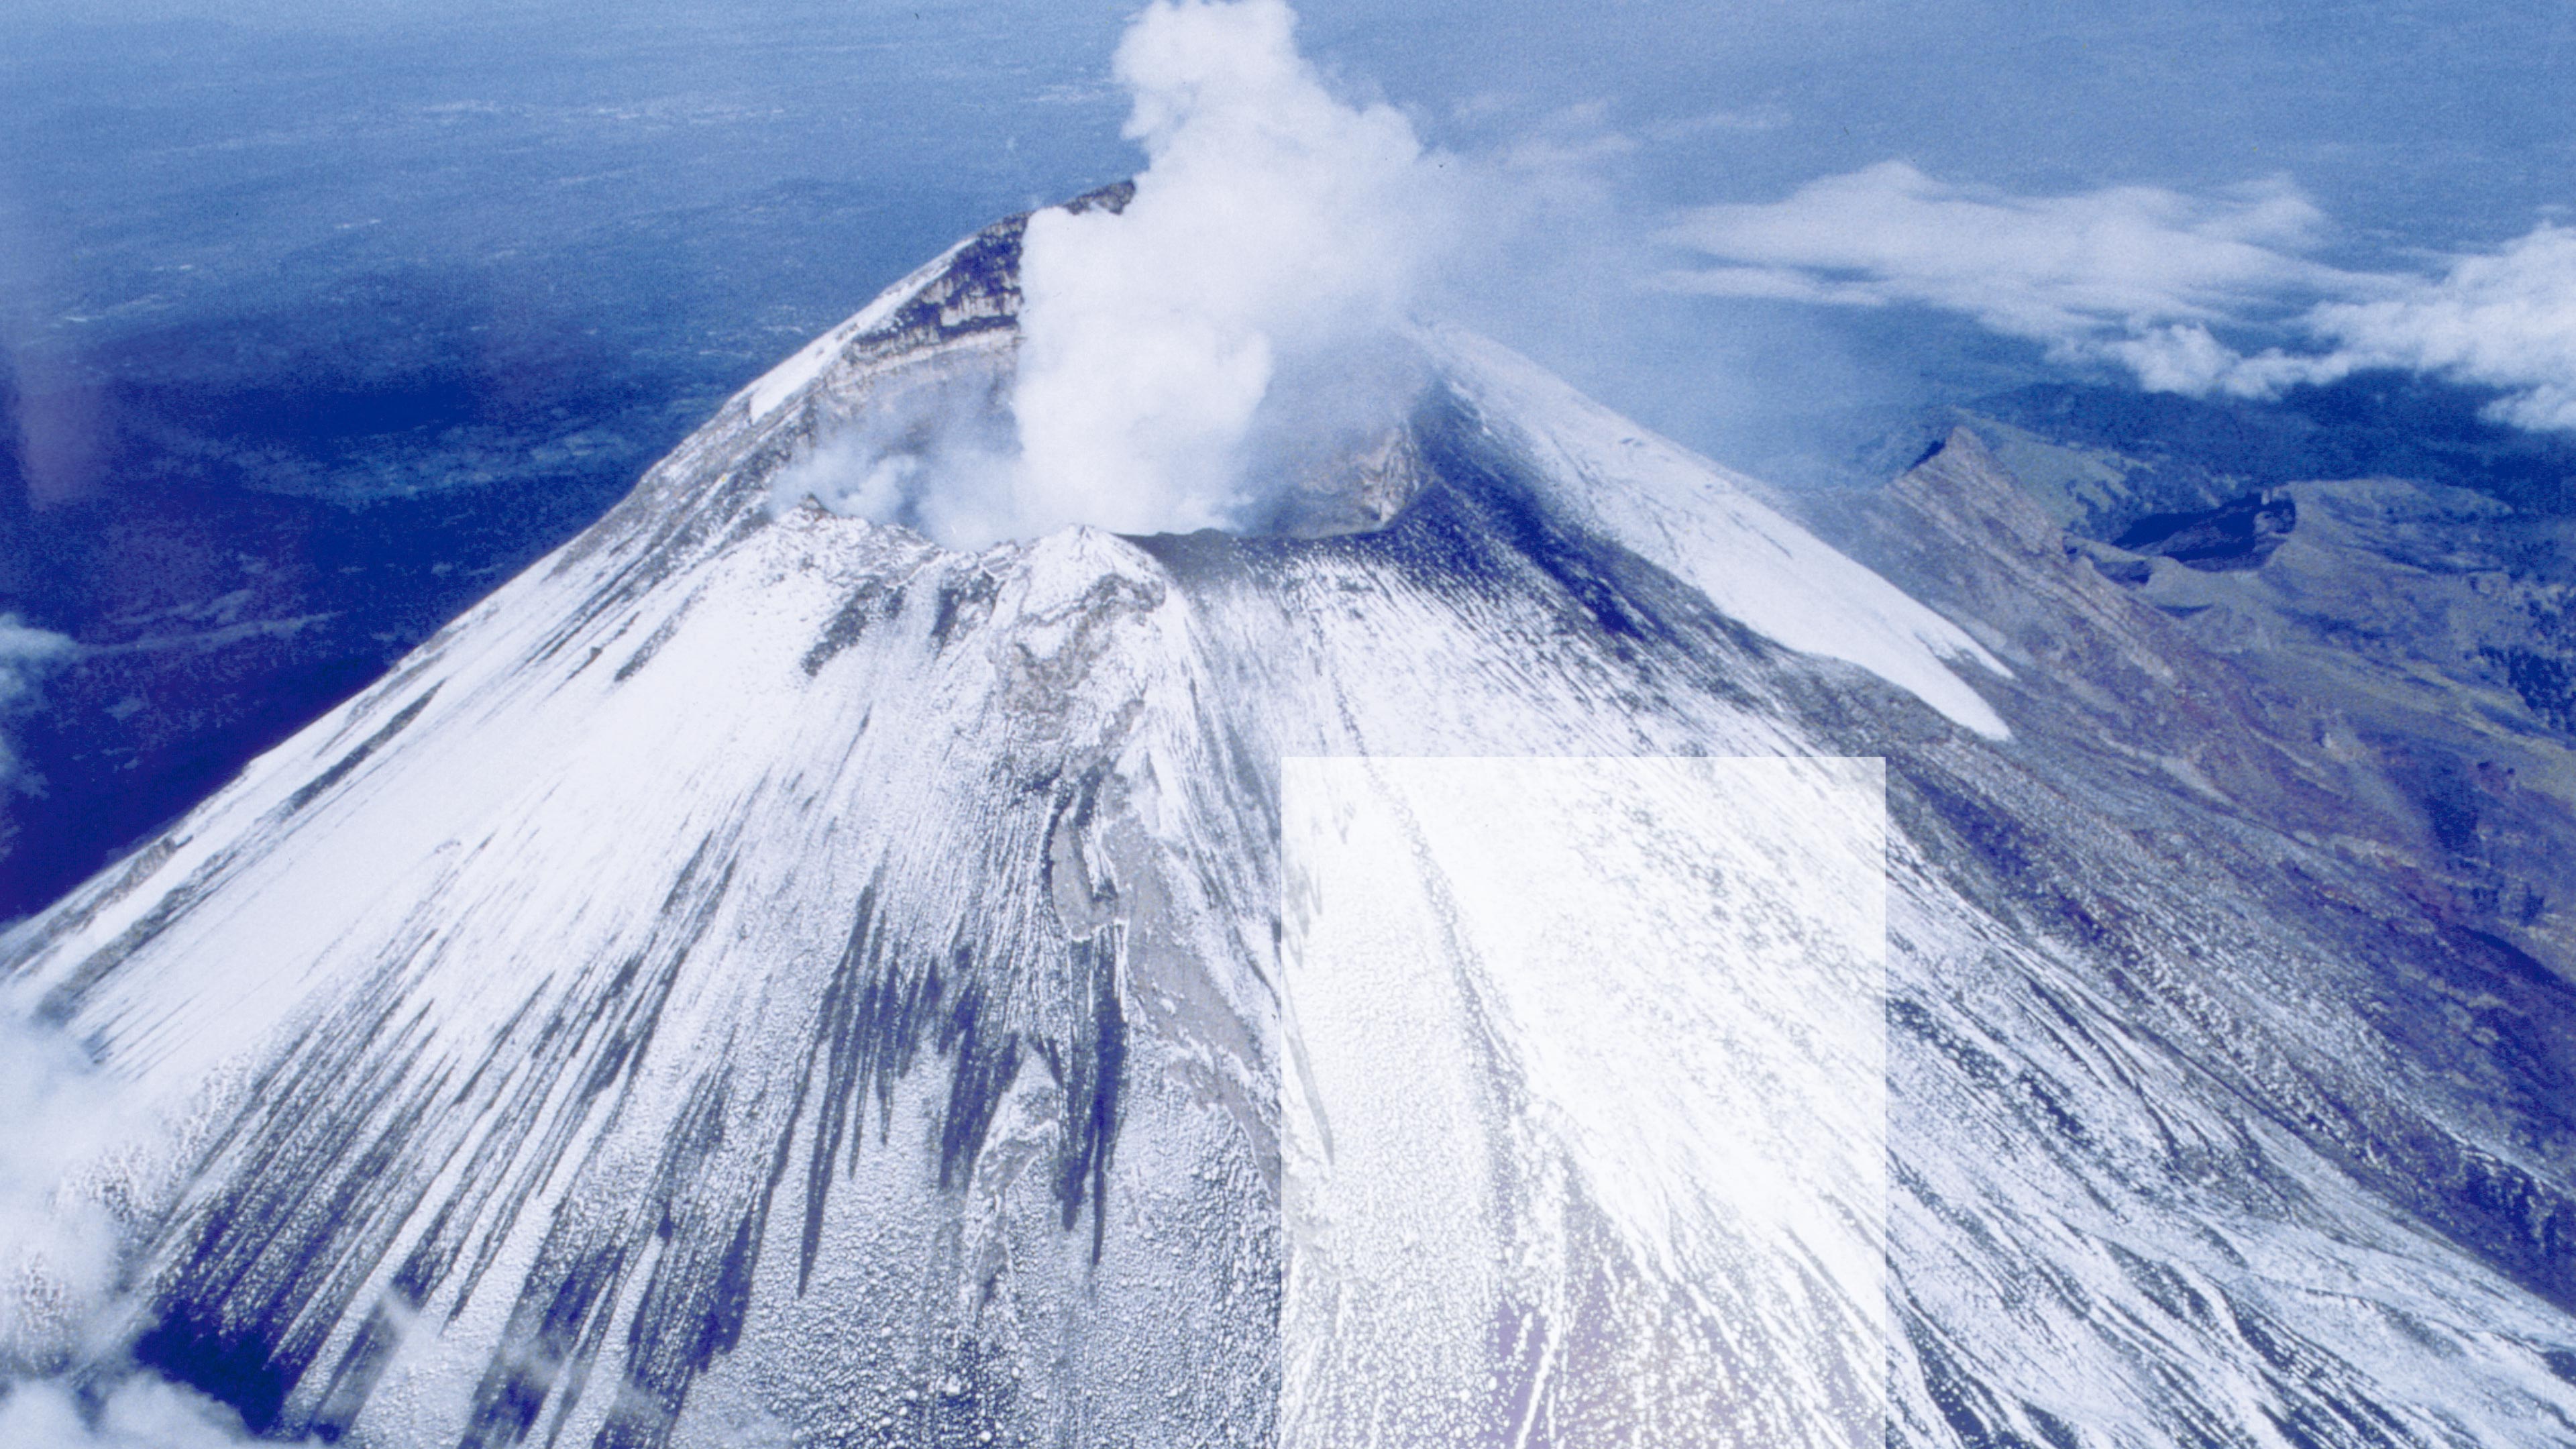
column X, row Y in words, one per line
column 765, row 975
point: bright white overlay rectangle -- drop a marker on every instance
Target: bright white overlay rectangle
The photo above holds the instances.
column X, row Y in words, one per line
column 1584, row 1102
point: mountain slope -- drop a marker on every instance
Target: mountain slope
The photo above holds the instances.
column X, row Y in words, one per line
column 761, row 974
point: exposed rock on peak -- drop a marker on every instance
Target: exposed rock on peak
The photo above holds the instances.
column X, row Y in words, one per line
column 1961, row 486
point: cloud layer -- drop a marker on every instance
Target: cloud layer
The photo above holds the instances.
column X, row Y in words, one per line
column 2046, row 268
column 59, row 1248
column 2505, row 320
column 137, row 1412
column 2147, row 278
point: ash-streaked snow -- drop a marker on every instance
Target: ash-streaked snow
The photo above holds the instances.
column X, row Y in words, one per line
column 1584, row 1101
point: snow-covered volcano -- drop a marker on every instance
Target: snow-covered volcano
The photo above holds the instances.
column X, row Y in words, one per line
column 762, row 977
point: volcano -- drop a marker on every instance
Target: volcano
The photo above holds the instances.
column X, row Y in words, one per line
column 763, row 977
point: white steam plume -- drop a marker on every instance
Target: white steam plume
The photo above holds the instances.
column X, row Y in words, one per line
column 1240, row 318
column 1276, row 234
column 932, row 453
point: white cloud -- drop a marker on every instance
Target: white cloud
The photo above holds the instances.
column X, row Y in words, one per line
column 2505, row 320
column 58, row 1247
column 63, row 1383
column 135, row 1413
column 1718, row 123
column 2055, row 269
column 2141, row 276
column 26, row 656
column 1573, row 143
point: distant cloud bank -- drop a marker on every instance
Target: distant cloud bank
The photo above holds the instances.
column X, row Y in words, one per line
column 2141, row 276
column 27, row 655
column 2507, row 319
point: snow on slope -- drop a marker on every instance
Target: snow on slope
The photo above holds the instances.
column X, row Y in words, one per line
column 1476, row 950
column 1688, row 515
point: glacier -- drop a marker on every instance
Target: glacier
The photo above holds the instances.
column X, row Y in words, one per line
column 762, row 977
